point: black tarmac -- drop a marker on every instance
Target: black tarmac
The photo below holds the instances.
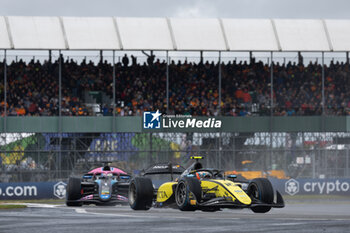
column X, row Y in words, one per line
column 295, row 217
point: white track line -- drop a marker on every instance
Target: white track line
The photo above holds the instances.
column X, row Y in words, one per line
column 35, row 205
column 288, row 223
column 81, row 211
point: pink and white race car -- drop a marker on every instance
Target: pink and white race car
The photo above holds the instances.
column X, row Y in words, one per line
column 101, row 186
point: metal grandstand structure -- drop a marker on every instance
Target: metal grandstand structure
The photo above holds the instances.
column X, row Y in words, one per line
column 57, row 155
column 174, row 34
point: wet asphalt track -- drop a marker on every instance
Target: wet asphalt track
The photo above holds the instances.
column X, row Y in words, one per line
column 301, row 217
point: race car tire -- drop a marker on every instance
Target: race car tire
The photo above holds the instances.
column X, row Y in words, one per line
column 184, row 187
column 141, row 193
column 261, row 189
column 73, row 192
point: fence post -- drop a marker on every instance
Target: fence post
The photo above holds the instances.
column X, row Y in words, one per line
column 319, row 159
column 347, row 162
column 114, row 94
column 326, row 162
column 220, row 152
column 336, row 163
column 150, row 150
column 271, row 116
column 313, row 165
column 167, row 82
column 5, row 95
column 234, row 150
column 220, row 77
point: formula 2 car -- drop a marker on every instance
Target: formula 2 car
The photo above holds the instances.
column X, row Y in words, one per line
column 205, row 189
column 102, row 186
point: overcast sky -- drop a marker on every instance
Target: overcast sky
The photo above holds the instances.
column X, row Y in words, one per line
column 180, row 8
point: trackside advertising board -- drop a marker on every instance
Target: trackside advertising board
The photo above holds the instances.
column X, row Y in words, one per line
column 182, row 123
column 57, row 190
column 312, row 186
column 29, row 191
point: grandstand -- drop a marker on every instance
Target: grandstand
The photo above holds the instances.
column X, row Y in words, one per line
column 274, row 110
column 245, row 89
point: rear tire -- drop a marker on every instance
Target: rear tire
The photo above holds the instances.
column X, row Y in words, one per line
column 261, row 189
column 141, row 193
column 73, row 192
column 183, row 190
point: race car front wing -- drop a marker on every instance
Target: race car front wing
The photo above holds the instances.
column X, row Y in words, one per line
column 227, row 202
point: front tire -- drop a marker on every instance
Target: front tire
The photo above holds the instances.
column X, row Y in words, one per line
column 74, row 192
column 184, row 188
column 141, row 193
column 261, row 189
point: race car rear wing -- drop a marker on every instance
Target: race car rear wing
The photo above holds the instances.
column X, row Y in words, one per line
column 164, row 168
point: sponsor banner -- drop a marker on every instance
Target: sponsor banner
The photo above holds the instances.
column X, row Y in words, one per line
column 152, row 120
column 156, row 120
column 312, row 186
column 28, row 191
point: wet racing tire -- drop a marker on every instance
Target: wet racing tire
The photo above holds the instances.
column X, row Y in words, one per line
column 261, row 189
column 186, row 187
column 73, row 192
column 141, row 193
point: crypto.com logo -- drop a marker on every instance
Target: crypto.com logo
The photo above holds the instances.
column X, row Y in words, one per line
column 292, row 187
column 59, row 190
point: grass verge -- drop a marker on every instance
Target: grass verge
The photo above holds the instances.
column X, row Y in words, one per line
column 43, row 201
column 8, row 206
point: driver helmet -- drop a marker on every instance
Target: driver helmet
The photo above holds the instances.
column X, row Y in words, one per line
column 203, row 174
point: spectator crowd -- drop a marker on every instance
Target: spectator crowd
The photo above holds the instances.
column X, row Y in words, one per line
column 33, row 88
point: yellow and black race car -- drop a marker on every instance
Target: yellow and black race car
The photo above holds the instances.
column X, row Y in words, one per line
column 206, row 189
